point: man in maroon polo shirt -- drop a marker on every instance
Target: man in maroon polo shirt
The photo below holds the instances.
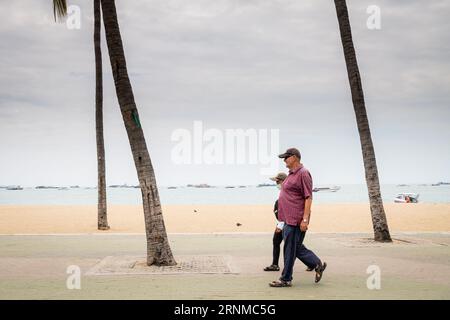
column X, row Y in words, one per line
column 294, row 209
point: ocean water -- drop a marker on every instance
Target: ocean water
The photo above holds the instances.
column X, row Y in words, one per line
column 216, row 195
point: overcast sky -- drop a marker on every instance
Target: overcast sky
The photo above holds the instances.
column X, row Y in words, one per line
column 232, row 64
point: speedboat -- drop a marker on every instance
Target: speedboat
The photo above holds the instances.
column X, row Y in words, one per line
column 407, row 198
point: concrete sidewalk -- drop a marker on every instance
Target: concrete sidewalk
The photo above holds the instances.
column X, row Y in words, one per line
column 415, row 266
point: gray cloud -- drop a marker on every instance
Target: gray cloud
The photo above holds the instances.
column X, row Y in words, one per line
column 232, row 64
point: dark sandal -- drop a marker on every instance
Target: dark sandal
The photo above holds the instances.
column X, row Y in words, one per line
column 309, row 269
column 272, row 268
column 319, row 271
column 280, row 284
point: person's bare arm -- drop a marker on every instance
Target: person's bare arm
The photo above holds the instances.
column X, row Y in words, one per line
column 305, row 221
column 308, row 203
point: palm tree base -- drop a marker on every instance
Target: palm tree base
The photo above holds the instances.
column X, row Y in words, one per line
column 383, row 237
column 104, row 228
column 384, row 240
column 161, row 262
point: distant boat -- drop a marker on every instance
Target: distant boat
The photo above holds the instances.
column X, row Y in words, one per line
column 171, row 187
column 122, row 186
column 441, row 184
column 327, row 189
column 266, row 185
column 46, row 187
column 229, row 187
column 201, row 185
column 407, row 198
column 242, row 186
column 74, row 187
column 14, row 188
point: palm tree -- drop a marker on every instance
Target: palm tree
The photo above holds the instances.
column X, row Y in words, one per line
column 158, row 248
column 102, row 222
column 60, row 11
column 379, row 221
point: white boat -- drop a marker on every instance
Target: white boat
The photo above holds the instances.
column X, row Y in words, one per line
column 407, row 198
column 327, row 189
column 14, row 188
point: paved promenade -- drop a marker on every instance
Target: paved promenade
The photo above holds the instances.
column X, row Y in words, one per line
column 222, row 266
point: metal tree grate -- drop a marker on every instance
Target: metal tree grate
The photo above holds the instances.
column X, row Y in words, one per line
column 133, row 265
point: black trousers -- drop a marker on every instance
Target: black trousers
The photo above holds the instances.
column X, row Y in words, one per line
column 277, row 239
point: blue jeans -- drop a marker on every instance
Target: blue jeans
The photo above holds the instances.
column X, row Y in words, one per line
column 294, row 248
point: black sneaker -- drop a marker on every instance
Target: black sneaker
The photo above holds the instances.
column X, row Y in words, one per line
column 319, row 271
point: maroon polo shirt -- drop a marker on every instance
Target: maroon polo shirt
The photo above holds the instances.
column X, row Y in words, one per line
column 296, row 188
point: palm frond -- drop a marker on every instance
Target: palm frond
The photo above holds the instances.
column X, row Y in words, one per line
column 59, row 9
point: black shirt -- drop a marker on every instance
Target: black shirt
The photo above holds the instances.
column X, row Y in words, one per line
column 275, row 209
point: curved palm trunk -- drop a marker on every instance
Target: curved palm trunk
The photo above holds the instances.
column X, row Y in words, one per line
column 101, row 184
column 158, row 249
column 380, row 227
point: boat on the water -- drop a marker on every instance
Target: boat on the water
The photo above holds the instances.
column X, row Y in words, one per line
column 266, row 185
column 441, row 184
column 327, row 189
column 121, row 186
column 14, row 188
column 202, row 185
column 407, row 198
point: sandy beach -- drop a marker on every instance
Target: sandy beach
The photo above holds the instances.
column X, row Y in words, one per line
column 215, row 218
